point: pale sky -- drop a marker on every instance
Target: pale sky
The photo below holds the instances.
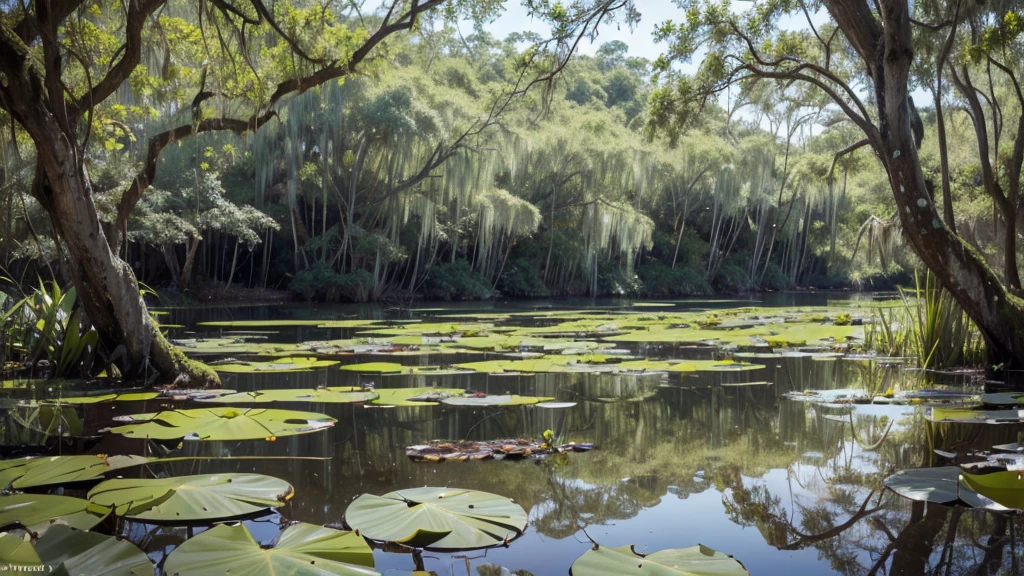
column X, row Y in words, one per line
column 640, row 39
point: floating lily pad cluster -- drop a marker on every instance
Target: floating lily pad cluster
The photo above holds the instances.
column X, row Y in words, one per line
column 571, row 333
column 626, row 561
column 439, row 451
column 948, row 485
column 52, row 530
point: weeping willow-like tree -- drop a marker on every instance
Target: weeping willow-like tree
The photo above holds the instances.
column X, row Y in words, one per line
column 502, row 218
column 225, row 66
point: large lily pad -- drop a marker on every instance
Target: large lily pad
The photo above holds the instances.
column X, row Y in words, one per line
column 437, row 518
column 497, row 400
column 64, row 550
column 38, row 512
column 941, row 485
column 696, row 560
column 970, row 416
column 546, row 364
column 1005, row 487
column 223, row 424
column 376, row 368
column 191, row 498
column 279, row 366
column 293, row 322
column 1003, row 399
column 302, row 549
column 325, row 395
column 414, row 396
column 25, row 473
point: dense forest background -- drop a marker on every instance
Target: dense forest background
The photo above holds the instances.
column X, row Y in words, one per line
column 417, row 179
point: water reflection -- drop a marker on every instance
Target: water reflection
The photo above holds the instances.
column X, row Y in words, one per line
column 786, row 487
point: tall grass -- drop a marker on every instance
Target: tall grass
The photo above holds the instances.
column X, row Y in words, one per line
column 45, row 333
column 929, row 326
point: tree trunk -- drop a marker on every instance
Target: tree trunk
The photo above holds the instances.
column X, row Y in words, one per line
column 888, row 54
column 106, row 284
column 940, row 126
column 190, row 260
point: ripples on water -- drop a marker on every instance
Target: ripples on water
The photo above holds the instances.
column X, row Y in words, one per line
column 786, row 487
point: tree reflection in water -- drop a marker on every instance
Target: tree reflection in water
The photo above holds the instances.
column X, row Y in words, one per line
column 804, row 477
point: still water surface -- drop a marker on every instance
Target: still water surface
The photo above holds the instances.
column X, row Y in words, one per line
column 788, row 488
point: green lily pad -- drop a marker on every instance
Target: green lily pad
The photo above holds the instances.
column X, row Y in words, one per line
column 437, row 518
column 93, row 399
column 546, row 364
column 279, row 366
column 1004, row 487
column 971, row 416
column 376, row 368
column 940, row 485
column 25, row 473
column 302, row 549
column 696, row 560
column 282, row 323
column 503, row 400
column 38, row 512
column 225, row 346
column 414, row 396
column 687, row 366
column 222, row 424
column 136, row 396
column 325, row 395
column 429, row 329
column 1003, row 399
column 64, row 550
column 191, row 498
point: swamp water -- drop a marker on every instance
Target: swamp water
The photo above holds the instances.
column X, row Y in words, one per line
column 717, row 457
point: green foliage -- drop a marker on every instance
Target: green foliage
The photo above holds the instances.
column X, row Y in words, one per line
column 521, row 279
column 47, row 333
column 659, row 280
column 731, row 279
column 930, row 327
column 321, row 282
column 457, row 281
column 173, row 217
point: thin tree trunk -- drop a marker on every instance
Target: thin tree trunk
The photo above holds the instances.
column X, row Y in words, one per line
column 190, row 258
column 682, row 226
column 234, row 261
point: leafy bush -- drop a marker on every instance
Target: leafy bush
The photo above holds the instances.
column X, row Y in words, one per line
column 323, row 283
column 46, row 329
column 731, row 278
column 521, row 279
column 659, row 280
column 457, row 281
column 614, row 280
column 774, row 279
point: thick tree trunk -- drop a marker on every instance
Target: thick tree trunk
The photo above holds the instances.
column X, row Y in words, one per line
column 961, row 269
column 106, row 284
column 886, row 49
